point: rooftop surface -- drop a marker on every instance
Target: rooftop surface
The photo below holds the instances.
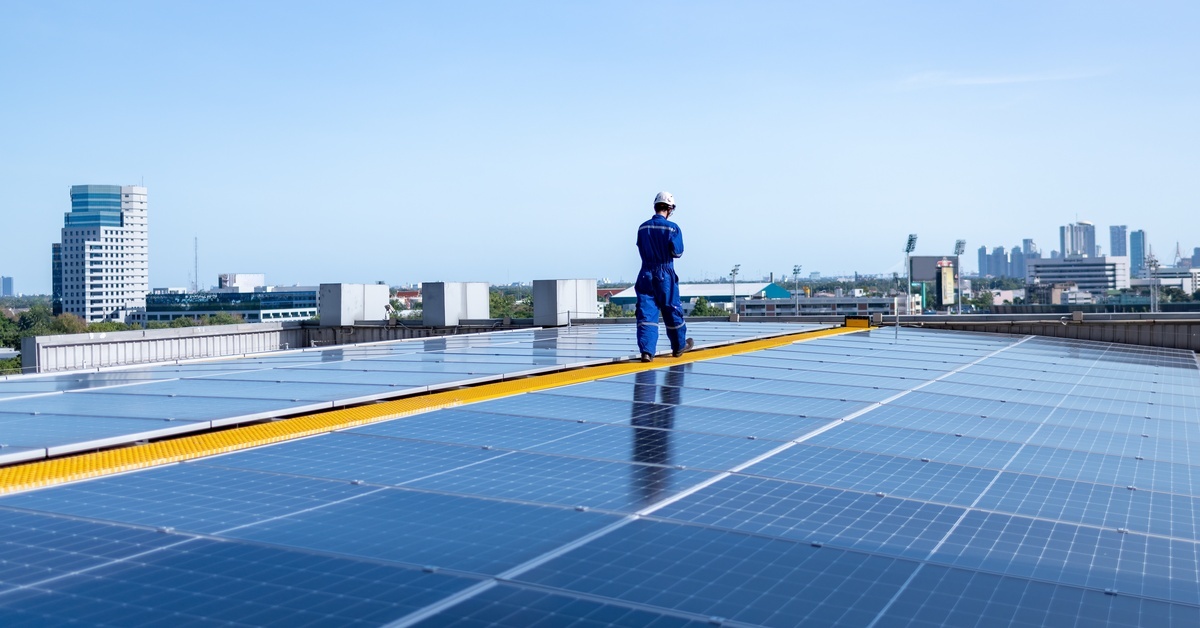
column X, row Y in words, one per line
column 863, row 479
column 50, row 415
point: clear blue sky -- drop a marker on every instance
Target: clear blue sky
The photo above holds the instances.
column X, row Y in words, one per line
column 506, row 141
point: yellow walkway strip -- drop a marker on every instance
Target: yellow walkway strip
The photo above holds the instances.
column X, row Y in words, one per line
column 42, row 473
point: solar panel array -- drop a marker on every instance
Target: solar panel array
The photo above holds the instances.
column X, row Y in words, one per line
column 937, row 479
column 51, row 415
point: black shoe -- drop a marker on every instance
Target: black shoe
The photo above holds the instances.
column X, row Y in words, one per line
column 687, row 346
column 646, row 357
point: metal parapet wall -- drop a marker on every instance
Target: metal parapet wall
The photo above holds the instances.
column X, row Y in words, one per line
column 1173, row 331
column 74, row 352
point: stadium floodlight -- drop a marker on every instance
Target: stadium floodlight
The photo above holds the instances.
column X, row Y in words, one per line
column 733, row 275
column 959, row 247
column 796, row 286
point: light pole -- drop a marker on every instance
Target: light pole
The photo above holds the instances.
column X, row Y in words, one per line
column 959, row 247
column 796, row 286
column 908, row 249
column 1152, row 264
column 733, row 275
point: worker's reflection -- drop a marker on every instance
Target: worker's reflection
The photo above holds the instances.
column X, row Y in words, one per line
column 652, row 424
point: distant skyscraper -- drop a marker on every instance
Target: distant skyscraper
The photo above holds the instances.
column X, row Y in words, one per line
column 1137, row 253
column 1118, row 237
column 984, row 271
column 101, row 266
column 1016, row 261
column 999, row 262
column 1078, row 239
column 6, row 287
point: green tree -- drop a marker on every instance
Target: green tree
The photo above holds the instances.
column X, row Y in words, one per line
column 183, row 321
column 612, row 310
column 222, row 318
column 101, row 327
column 37, row 318
column 1172, row 294
column 500, row 304
column 157, row 325
column 10, row 334
column 703, row 308
column 10, row 366
column 67, row 323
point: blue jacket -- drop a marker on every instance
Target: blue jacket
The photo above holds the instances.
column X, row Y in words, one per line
column 659, row 242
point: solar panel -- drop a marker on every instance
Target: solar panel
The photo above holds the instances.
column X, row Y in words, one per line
column 728, row 492
column 228, row 392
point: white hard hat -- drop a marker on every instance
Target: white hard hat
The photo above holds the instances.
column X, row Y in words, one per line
column 666, row 198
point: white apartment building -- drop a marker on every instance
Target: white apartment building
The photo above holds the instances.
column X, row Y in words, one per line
column 102, row 263
column 1091, row 274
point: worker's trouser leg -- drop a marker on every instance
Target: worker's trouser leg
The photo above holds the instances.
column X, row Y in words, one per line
column 647, row 324
column 659, row 291
column 672, row 313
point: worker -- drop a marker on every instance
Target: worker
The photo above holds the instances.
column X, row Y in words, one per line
column 659, row 242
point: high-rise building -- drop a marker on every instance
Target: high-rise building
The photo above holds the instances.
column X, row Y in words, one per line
column 999, row 262
column 984, row 271
column 1078, row 239
column 6, row 287
column 1117, row 240
column 101, row 266
column 1137, row 253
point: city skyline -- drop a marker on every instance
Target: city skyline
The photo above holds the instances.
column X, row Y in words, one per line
column 509, row 143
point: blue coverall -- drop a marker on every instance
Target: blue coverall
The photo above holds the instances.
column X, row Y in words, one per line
column 659, row 242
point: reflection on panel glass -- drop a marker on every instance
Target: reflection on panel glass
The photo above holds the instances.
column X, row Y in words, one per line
column 653, row 419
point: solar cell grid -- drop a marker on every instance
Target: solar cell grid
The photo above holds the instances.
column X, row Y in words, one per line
column 950, row 423
column 1131, row 408
column 982, row 406
column 1146, row 474
column 1097, row 441
column 188, row 497
column 471, row 427
column 945, row 448
column 1071, row 385
column 146, row 407
column 565, row 481
column 523, row 607
column 991, row 370
column 1101, row 505
column 1100, row 559
column 352, row 457
column 428, row 529
column 38, row 547
column 652, row 440
column 1020, row 395
column 876, row 473
column 731, row 575
column 243, row 584
column 830, row 517
column 80, row 433
column 908, row 374
column 217, row 388
column 941, row 596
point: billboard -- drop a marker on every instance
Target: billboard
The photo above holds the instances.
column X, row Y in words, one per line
column 946, row 283
column 926, row 267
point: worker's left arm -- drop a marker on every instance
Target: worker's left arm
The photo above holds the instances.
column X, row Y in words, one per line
column 677, row 242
